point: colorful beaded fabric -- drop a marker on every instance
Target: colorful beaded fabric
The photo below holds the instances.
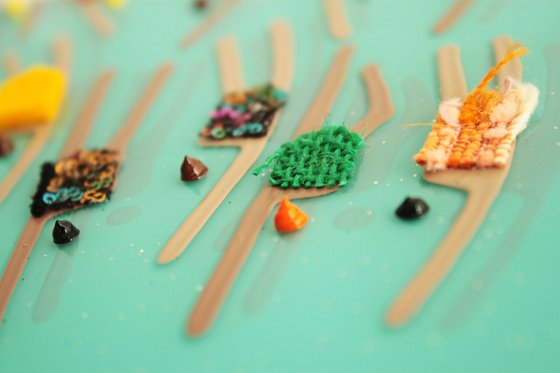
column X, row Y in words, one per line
column 83, row 179
column 245, row 113
column 325, row 158
column 480, row 132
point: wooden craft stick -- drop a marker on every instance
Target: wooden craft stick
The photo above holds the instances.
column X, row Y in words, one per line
column 11, row 63
column 220, row 12
column 140, row 109
column 337, row 19
column 34, row 226
column 31, row 232
column 15, row 266
column 217, row 288
column 96, row 17
column 321, row 106
column 231, row 69
column 482, row 186
column 62, row 53
column 451, row 16
column 514, row 67
column 451, row 77
column 29, row 23
column 283, row 59
column 77, row 138
column 250, row 149
column 61, row 57
column 381, row 106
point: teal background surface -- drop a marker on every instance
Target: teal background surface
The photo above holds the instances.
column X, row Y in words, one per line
column 313, row 301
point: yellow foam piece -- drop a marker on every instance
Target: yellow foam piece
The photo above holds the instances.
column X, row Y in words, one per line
column 31, row 98
column 116, row 4
column 16, row 9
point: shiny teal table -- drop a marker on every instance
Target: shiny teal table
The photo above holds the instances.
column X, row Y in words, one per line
column 313, row 301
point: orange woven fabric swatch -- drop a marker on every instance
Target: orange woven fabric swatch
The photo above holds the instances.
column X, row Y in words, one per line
column 480, row 131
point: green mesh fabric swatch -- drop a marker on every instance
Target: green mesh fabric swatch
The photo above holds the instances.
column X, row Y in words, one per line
column 325, row 158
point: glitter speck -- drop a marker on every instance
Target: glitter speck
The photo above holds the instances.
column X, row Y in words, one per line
column 375, row 182
column 275, row 239
column 349, row 203
column 264, row 254
column 199, row 287
column 369, row 212
column 140, row 252
column 383, row 142
column 111, row 258
column 132, row 244
column 414, row 175
column 401, row 180
column 555, row 127
column 98, row 224
column 85, row 315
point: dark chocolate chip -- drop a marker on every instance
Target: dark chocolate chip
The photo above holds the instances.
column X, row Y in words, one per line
column 64, row 232
column 192, row 169
column 200, row 4
column 6, row 145
column 412, row 208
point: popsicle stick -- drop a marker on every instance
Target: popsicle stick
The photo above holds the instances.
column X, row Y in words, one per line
column 231, row 69
column 452, row 16
column 321, row 106
column 34, row 226
column 220, row 12
column 337, row 19
column 250, row 149
column 513, row 68
column 11, row 63
column 62, row 53
column 96, row 17
column 121, row 139
column 15, row 266
column 119, row 143
column 381, row 106
column 82, row 127
column 61, row 57
column 482, row 187
column 215, row 292
column 451, row 77
column 282, row 55
column 29, row 23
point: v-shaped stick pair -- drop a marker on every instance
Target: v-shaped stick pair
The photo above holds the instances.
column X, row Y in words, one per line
column 250, row 147
column 482, row 187
column 117, row 148
column 239, row 248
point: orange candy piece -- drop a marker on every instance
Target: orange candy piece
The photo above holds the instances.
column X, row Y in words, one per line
column 289, row 217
